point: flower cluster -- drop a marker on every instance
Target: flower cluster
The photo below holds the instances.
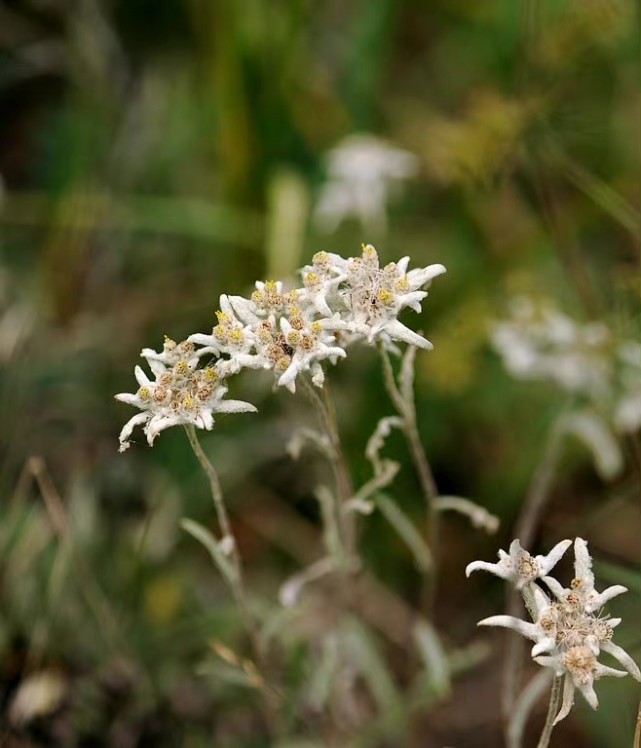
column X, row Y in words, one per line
column 181, row 393
column 289, row 332
column 568, row 627
column 538, row 342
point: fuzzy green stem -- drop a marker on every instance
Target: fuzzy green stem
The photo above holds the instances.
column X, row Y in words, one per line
column 236, row 582
column 327, row 415
column 525, row 530
column 406, row 408
column 544, row 740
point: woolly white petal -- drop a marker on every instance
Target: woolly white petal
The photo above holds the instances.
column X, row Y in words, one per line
column 412, row 299
column 549, row 561
column 225, row 305
column 245, row 309
column 589, row 694
column 399, row 331
column 402, row 264
column 421, row 276
column 551, row 661
column 541, row 600
column 543, row 646
column 127, row 397
column 598, row 600
column 583, row 561
column 142, row 379
column 207, row 419
column 234, row 406
column 603, row 670
column 160, row 423
column 623, row 657
column 501, row 570
column 568, row 699
column 131, row 424
column 557, row 589
column 290, row 374
column 528, row 630
column 201, row 339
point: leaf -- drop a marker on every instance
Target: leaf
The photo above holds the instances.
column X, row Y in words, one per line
column 203, row 535
column 437, row 669
column 364, row 654
column 331, row 533
column 324, row 672
column 598, row 438
column 228, row 674
column 406, row 530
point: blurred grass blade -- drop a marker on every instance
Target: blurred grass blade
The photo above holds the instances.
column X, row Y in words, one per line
column 437, row 668
column 326, row 668
column 365, row 656
column 406, row 530
column 288, row 210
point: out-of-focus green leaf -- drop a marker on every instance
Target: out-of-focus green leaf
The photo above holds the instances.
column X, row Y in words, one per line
column 406, row 530
column 363, row 651
column 203, row 535
column 437, row 670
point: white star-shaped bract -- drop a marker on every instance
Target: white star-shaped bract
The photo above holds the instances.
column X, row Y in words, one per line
column 518, row 566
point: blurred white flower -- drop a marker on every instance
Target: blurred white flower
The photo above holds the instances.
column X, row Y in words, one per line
column 627, row 414
column 539, row 342
column 363, row 171
column 569, row 632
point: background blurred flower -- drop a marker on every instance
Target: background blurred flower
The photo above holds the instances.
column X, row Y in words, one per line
column 363, row 173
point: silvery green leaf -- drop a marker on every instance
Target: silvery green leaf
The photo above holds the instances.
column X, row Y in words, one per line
column 406, row 530
column 437, row 670
column 331, row 534
column 217, row 553
column 325, row 669
column 596, row 435
column 364, row 655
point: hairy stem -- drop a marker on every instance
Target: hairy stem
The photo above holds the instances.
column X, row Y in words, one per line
column 324, row 406
column 215, row 486
column 544, row 740
column 236, row 582
column 406, row 407
column 526, row 527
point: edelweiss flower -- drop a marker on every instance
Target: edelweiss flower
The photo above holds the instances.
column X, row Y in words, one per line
column 582, row 586
column 569, row 634
column 372, row 297
column 581, row 668
column 231, row 337
column 307, row 344
column 519, row 566
column 542, row 631
column 180, row 394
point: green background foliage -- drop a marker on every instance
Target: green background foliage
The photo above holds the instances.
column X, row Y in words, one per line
column 157, row 154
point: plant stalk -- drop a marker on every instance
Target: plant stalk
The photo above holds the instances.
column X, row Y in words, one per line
column 544, row 740
column 406, row 408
